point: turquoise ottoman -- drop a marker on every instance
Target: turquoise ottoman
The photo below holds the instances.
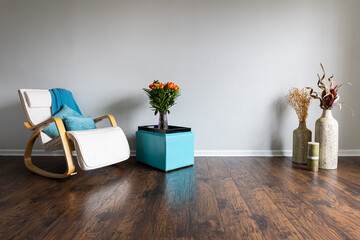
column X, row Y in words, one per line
column 165, row 151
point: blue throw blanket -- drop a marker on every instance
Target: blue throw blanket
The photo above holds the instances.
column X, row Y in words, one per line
column 60, row 97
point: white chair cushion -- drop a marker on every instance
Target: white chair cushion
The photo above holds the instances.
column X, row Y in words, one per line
column 37, row 114
column 38, row 98
column 100, row 147
column 45, row 138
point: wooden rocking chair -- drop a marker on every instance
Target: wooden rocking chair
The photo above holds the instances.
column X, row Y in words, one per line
column 36, row 104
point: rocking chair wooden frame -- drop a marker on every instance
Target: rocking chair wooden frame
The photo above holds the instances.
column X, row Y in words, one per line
column 66, row 142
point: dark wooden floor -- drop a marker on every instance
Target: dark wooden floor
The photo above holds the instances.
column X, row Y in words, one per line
column 218, row 198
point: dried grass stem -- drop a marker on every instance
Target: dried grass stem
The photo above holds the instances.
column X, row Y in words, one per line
column 299, row 100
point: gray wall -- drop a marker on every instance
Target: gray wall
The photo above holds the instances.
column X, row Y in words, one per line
column 234, row 60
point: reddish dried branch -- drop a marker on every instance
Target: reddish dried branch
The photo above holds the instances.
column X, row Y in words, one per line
column 331, row 81
column 328, row 95
column 316, row 96
column 320, row 83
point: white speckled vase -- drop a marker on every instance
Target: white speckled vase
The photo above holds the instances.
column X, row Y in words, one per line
column 301, row 137
column 327, row 135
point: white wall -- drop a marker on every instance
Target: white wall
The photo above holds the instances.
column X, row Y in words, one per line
column 234, row 60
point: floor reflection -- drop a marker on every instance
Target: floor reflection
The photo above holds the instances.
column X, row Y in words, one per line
column 179, row 186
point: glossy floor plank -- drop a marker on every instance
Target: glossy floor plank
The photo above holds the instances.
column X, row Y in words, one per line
column 238, row 220
column 337, row 209
column 205, row 216
column 217, row 198
column 295, row 210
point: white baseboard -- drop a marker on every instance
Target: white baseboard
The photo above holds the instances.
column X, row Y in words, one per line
column 198, row 153
column 349, row 152
column 243, row 153
column 35, row 152
column 264, row 153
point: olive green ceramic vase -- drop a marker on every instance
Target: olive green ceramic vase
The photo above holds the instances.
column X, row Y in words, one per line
column 301, row 137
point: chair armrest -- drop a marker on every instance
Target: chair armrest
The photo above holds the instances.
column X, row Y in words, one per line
column 42, row 124
column 59, row 125
column 58, row 122
column 110, row 117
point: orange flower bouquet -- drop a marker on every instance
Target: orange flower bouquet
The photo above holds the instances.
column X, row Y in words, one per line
column 162, row 96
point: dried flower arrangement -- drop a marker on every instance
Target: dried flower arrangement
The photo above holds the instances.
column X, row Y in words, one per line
column 299, row 99
column 329, row 95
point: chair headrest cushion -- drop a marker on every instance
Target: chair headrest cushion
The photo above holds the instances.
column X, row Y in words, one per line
column 38, row 98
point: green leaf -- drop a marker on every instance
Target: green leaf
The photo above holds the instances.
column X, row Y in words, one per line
column 161, row 99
